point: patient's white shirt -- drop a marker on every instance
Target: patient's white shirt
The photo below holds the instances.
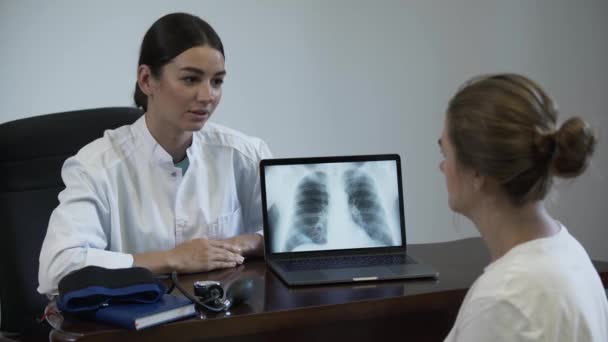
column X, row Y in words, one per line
column 542, row 290
column 125, row 196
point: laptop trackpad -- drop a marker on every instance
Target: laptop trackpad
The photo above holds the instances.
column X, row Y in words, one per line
column 361, row 272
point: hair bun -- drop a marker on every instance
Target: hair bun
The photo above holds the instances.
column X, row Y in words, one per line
column 574, row 146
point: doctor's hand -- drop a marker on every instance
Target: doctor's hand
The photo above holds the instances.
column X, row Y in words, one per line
column 198, row 255
column 247, row 244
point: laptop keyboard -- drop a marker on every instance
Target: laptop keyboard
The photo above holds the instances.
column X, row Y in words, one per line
column 337, row 262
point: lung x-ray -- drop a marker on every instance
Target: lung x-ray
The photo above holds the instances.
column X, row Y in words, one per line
column 333, row 206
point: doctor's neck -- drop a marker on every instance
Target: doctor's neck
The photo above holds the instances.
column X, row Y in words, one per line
column 172, row 139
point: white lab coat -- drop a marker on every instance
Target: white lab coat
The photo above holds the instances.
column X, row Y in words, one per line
column 125, row 196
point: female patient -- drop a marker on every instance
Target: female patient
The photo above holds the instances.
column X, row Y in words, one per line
column 171, row 191
column 502, row 149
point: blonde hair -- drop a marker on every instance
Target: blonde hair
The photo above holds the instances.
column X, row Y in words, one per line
column 504, row 126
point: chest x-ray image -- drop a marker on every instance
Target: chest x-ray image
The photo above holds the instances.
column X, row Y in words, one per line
column 333, row 206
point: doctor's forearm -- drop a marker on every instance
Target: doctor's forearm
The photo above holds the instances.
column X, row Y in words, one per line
column 156, row 262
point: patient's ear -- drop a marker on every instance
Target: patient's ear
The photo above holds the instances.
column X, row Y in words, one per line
column 479, row 180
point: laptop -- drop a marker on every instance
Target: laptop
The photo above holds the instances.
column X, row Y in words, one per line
column 336, row 219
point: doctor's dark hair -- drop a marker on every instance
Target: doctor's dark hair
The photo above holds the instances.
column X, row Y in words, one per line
column 168, row 37
column 504, row 127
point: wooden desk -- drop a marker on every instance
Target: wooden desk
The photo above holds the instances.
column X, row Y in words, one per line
column 416, row 310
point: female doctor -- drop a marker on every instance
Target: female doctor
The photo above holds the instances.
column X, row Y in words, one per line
column 171, row 191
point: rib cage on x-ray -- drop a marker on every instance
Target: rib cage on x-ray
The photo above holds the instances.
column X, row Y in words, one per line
column 365, row 207
column 310, row 212
column 333, row 206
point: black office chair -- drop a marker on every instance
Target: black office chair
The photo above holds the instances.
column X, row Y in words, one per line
column 32, row 152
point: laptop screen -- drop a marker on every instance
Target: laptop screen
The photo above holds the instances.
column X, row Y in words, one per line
column 332, row 205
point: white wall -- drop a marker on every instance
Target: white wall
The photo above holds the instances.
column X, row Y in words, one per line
column 322, row 77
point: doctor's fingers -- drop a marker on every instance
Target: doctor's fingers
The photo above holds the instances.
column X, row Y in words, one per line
column 223, row 255
column 225, row 245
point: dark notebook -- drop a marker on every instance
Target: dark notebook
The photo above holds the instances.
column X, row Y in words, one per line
column 138, row 316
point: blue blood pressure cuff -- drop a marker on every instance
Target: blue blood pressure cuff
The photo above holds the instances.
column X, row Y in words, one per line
column 93, row 287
